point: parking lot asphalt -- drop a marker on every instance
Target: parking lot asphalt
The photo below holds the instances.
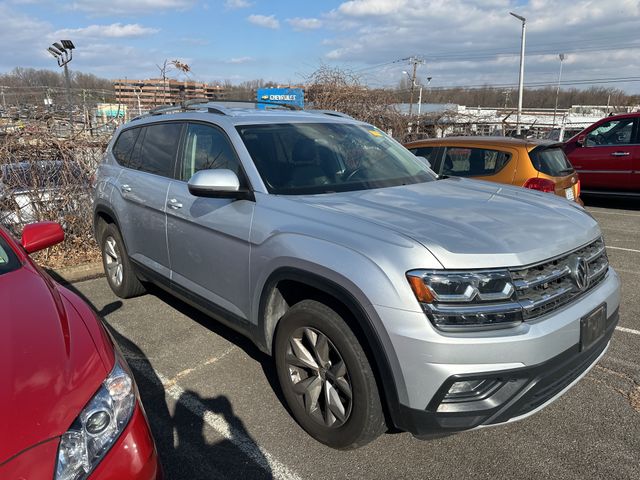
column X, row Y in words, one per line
column 215, row 409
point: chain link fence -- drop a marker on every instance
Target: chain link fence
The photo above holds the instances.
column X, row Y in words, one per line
column 45, row 177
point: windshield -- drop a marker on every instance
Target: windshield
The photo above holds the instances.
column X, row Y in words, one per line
column 551, row 161
column 309, row 158
column 8, row 259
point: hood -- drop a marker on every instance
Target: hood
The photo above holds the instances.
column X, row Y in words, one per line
column 470, row 223
column 50, row 365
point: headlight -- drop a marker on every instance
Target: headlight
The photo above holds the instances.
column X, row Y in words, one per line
column 97, row 427
column 467, row 300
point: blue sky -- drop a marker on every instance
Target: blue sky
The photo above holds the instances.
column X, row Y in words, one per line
column 463, row 42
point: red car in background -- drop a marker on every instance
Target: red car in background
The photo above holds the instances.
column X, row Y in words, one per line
column 70, row 407
column 607, row 155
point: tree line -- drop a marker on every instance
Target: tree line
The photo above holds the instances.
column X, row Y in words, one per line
column 29, row 85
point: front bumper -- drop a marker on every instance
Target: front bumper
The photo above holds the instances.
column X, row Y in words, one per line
column 430, row 361
column 525, row 391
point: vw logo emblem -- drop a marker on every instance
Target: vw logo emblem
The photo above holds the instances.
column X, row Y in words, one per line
column 579, row 272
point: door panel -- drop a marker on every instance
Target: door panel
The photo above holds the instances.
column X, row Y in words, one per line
column 208, row 238
column 605, row 160
column 142, row 191
column 142, row 219
column 208, row 241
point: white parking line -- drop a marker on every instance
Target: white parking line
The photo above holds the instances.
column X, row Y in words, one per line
column 628, row 330
column 216, row 421
column 623, row 249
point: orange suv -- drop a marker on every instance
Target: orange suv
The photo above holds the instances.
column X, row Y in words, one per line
column 536, row 164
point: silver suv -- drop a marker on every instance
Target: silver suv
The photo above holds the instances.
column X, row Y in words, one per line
column 388, row 297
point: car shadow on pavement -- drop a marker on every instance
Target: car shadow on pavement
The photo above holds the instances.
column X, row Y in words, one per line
column 613, row 202
column 181, row 439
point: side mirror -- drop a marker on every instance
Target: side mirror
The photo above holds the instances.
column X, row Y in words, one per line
column 581, row 139
column 221, row 183
column 37, row 236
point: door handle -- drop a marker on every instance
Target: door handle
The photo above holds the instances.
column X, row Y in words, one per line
column 620, row 154
column 125, row 188
column 174, row 204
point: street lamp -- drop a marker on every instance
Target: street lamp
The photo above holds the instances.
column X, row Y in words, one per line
column 521, row 80
column 63, row 53
column 562, row 56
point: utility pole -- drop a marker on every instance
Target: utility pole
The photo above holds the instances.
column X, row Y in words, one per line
column 562, row 56
column 521, row 79
column 415, row 61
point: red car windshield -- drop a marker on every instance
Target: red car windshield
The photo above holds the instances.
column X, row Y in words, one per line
column 8, row 259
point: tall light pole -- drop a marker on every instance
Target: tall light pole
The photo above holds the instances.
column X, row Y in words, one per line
column 562, row 56
column 63, row 53
column 521, row 80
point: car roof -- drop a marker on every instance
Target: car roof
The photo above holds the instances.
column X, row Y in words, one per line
column 238, row 113
column 485, row 140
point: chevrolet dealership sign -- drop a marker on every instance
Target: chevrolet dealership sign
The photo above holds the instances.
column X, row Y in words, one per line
column 288, row 96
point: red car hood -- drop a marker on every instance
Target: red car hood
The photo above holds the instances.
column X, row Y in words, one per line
column 50, row 366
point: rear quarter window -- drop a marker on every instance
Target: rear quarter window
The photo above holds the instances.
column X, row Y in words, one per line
column 551, row 161
column 123, row 148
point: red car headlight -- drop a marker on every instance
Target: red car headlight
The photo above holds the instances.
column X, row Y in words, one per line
column 97, row 427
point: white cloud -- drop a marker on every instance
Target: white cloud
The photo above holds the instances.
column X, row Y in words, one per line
column 459, row 39
column 237, row 4
column 240, row 60
column 299, row 24
column 266, row 21
column 115, row 30
column 128, row 7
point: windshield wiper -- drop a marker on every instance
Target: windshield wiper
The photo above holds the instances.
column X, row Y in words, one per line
column 566, row 170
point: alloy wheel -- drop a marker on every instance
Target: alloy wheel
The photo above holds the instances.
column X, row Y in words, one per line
column 319, row 377
column 113, row 261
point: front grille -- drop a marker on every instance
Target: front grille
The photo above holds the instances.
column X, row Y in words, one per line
column 546, row 286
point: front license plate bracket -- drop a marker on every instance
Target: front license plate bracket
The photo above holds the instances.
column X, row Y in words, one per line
column 592, row 326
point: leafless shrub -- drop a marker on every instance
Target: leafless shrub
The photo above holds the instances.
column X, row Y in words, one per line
column 331, row 88
column 43, row 178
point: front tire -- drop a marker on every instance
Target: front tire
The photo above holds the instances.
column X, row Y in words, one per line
column 326, row 378
column 120, row 274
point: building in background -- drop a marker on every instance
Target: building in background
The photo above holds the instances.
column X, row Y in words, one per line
column 143, row 95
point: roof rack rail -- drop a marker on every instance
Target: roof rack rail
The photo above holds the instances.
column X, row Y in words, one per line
column 332, row 113
column 288, row 106
column 212, row 106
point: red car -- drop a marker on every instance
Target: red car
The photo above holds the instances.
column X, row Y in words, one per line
column 70, row 406
column 607, row 155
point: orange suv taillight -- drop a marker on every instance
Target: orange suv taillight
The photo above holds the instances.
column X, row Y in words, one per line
column 541, row 184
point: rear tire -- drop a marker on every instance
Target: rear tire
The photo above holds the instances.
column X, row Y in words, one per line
column 120, row 273
column 326, row 378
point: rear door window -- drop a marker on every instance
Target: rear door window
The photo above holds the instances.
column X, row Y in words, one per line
column 551, row 161
column 159, row 147
column 473, row 162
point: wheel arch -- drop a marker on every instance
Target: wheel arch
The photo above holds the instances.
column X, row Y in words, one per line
column 273, row 305
column 103, row 213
